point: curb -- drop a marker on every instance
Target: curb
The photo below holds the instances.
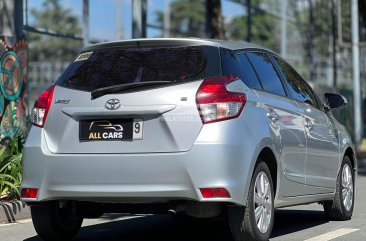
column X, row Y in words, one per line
column 11, row 212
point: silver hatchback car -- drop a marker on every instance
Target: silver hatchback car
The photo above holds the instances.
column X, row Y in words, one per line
column 194, row 127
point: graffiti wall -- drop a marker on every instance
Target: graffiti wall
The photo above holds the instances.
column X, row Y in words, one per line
column 13, row 79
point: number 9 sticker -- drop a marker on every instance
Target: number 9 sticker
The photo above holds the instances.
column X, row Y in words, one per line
column 137, row 129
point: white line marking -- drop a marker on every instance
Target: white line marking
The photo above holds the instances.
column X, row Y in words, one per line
column 332, row 235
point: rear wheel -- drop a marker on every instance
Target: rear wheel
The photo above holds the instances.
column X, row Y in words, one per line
column 255, row 221
column 54, row 223
column 341, row 208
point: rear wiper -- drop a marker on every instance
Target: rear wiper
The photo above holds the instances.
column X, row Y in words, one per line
column 124, row 87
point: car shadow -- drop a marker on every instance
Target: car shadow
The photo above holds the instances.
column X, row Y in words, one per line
column 289, row 221
column 153, row 228
column 164, row 228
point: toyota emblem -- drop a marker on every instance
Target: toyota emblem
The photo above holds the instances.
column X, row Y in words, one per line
column 113, row 104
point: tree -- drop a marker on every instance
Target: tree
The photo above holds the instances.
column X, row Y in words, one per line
column 315, row 25
column 362, row 11
column 187, row 18
column 215, row 22
column 54, row 17
column 264, row 29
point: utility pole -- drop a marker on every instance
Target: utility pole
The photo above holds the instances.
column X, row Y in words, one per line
column 139, row 19
column 214, row 20
column 85, row 23
column 334, row 42
column 119, row 20
column 284, row 29
column 356, row 74
column 310, row 41
column 249, row 22
column 18, row 19
column 167, row 19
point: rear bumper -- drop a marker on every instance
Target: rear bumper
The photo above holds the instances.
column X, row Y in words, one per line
column 133, row 178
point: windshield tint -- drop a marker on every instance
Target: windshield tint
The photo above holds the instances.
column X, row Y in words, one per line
column 107, row 67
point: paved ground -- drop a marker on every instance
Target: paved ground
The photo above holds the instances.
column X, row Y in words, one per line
column 297, row 223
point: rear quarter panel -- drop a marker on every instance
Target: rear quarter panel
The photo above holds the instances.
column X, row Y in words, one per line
column 257, row 136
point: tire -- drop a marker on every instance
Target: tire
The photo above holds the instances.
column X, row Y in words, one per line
column 338, row 209
column 242, row 219
column 53, row 223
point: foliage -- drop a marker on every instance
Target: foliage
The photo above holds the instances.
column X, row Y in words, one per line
column 187, row 18
column 264, row 29
column 53, row 17
column 315, row 25
column 362, row 11
column 10, row 169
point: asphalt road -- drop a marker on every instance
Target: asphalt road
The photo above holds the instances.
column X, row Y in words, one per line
column 296, row 223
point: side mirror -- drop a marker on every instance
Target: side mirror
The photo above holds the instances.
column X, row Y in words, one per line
column 334, row 101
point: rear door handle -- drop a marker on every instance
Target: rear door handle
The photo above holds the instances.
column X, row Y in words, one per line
column 309, row 124
column 272, row 116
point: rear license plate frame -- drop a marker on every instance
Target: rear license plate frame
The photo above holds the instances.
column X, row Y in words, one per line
column 110, row 130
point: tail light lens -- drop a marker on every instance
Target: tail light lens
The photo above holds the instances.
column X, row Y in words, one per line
column 42, row 106
column 216, row 103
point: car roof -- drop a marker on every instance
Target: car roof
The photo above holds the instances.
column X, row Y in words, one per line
column 157, row 42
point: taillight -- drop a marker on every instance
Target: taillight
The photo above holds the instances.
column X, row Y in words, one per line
column 42, row 106
column 216, row 103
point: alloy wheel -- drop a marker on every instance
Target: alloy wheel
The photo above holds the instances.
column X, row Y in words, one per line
column 347, row 187
column 262, row 202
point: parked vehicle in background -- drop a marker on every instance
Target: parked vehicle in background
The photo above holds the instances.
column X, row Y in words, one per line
column 202, row 127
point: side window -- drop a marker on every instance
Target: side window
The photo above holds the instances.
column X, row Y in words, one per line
column 267, row 74
column 297, row 87
column 231, row 65
column 250, row 75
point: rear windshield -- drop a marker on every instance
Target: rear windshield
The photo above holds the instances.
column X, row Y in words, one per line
column 107, row 67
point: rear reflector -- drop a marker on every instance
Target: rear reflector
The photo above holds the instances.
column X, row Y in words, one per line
column 215, row 193
column 216, row 103
column 29, row 193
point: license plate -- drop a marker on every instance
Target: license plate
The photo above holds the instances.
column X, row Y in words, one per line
column 110, row 130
